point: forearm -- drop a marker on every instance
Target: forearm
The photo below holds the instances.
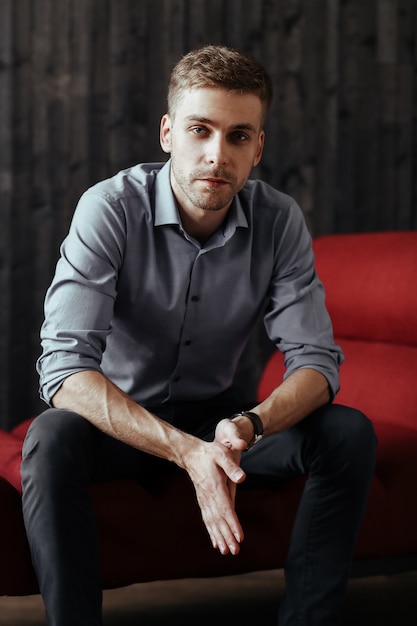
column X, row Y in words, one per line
column 97, row 399
column 298, row 396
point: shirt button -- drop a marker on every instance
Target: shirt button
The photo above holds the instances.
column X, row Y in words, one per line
column 176, row 379
column 195, row 298
column 187, row 342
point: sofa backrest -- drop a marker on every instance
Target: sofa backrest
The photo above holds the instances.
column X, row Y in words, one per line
column 371, row 294
column 371, row 285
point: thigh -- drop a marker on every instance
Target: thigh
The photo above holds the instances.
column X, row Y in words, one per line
column 331, row 431
column 276, row 456
column 115, row 459
column 66, row 441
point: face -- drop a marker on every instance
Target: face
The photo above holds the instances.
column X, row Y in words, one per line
column 215, row 138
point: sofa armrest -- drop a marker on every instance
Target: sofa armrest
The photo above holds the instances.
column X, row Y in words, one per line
column 10, row 459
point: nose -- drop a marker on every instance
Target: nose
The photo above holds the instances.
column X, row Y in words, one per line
column 217, row 151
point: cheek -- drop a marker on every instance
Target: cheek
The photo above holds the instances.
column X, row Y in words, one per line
column 245, row 166
column 183, row 148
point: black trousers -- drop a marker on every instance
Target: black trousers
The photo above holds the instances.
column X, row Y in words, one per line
column 63, row 454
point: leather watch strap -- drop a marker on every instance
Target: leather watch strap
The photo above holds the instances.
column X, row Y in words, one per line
column 258, row 428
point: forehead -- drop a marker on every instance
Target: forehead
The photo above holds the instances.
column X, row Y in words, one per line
column 220, row 106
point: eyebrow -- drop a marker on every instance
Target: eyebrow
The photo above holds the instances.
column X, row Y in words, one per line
column 206, row 120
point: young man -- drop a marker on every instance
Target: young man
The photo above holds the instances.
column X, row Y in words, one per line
column 160, row 281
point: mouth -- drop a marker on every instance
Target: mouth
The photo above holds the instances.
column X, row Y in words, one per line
column 214, row 182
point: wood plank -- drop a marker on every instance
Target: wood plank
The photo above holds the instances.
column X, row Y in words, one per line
column 24, row 307
column 6, row 204
column 83, row 86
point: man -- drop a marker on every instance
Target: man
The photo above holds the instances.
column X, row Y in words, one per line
column 160, row 281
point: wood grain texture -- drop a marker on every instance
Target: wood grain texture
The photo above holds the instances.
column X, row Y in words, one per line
column 83, row 86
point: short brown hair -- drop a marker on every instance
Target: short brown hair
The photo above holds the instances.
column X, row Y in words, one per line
column 220, row 66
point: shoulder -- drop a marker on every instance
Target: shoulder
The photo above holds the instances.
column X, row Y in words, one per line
column 269, row 208
column 111, row 208
column 129, row 183
column 121, row 200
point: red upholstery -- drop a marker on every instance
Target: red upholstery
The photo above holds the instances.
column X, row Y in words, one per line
column 371, row 292
column 370, row 281
column 371, row 285
column 10, row 458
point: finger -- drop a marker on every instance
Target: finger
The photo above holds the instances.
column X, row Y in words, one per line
column 222, row 537
column 234, row 443
column 233, row 471
column 221, row 520
column 229, row 462
column 232, row 492
column 228, row 435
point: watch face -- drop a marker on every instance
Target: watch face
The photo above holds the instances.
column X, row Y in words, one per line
column 254, row 441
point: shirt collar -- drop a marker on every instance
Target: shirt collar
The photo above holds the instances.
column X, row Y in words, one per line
column 166, row 211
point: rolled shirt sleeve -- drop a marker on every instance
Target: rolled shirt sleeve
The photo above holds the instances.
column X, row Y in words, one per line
column 296, row 318
column 79, row 304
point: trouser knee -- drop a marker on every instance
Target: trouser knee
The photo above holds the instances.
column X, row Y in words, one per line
column 55, row 447
column 344, row 440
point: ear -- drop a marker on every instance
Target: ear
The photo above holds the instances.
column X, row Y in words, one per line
column 165, row 133
column 261, row 142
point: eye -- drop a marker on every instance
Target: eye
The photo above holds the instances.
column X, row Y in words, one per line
column 200, row 131
column 239, row 137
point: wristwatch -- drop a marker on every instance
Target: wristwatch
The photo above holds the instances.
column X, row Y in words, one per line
column 258, row 428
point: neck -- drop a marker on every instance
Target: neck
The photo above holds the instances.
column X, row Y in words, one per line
column 202, row 223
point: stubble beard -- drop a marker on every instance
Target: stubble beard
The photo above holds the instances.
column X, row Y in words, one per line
column 211, row 199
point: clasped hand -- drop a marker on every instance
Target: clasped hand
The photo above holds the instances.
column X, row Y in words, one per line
column 214, row 468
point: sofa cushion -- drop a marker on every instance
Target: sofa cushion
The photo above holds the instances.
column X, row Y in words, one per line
column 380, row 380
column 10, row 459
column 370, row 282
column 389, row 526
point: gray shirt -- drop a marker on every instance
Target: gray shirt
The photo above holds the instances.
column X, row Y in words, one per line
column 165, row 318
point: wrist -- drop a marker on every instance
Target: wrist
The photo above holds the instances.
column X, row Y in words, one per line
column 250, row 425
column 186, row 449
column 244, row 426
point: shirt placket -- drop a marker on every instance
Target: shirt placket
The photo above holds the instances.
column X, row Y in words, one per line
column 191, row 330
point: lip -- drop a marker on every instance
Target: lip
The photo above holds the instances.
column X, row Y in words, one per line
column 214, row 181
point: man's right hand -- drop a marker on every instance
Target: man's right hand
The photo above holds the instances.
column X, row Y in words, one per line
column 215, row 471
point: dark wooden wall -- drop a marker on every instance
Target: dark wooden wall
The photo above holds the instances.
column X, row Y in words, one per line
column 82, row 89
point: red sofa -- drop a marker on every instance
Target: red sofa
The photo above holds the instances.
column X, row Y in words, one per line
column 371, row 286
